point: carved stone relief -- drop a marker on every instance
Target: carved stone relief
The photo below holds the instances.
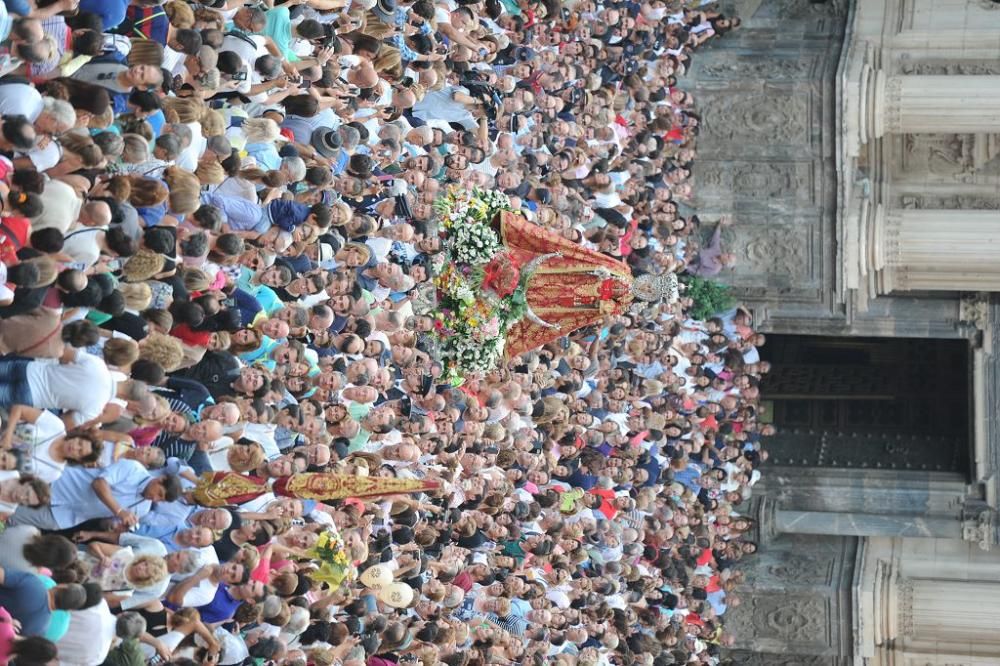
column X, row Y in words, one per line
column 937, row 67
column 764, row 181
column 761, row 659
column 792, row 570
column 799, row 9
column 947, row 155
column 953, row 201
column 782, row 619
column 776, row 250
column 755, row 69
column 766, row 119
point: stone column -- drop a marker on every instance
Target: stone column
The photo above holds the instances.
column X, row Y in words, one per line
column 916, row 104
column 939, row 250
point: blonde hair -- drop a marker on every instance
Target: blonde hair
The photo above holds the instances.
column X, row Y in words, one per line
column 185, row 190
column 188, row 109
column 213, row 123
column 163, row 349
column 210, row 18
column 251, row 557
column 157, row 570
column 120, row 352
column 103, row 120
column 210, row 173
column 255, row 458
column 145, row 52
column 196, row 279
column 143, row 265
column 157, row 400
column 138, row 295
column 180, row 14
column 260, row 130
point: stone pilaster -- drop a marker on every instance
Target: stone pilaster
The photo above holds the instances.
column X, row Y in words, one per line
column 916, row 104
column 940, row 250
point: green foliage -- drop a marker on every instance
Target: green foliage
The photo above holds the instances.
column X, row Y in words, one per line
column 709, row 297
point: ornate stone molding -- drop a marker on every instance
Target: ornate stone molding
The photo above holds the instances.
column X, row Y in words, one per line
column 974, row 309
column 979, row 525
column 892, row 111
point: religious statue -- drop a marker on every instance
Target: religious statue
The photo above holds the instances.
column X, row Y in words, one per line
column 569, row 286
column 215, row 489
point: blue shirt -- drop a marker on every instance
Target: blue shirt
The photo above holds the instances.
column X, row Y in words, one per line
column 74, row 500
column 239, row 214
column 221, row 608
column 26, row 598
column 112, row 12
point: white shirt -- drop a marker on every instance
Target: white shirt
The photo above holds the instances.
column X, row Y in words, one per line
column 20, row 99
column 83, row 245
column 47, row 429
column 89, row 638
column 83, row 387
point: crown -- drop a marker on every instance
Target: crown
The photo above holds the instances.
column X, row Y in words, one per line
column 648, row 287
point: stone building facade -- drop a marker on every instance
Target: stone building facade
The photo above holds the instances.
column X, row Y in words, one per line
column 857, row 144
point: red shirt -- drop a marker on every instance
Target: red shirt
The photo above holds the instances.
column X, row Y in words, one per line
column 14, row 232
column 184, row 333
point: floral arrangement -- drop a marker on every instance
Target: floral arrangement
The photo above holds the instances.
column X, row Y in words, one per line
column 334, row 564
column 480, row 287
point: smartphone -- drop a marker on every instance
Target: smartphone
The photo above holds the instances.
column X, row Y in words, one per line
column 305, row 84
column 240, row 76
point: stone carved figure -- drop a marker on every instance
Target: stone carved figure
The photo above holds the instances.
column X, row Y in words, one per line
column 947, row 155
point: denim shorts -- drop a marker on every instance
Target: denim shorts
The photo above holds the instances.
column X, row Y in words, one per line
column 14, row 388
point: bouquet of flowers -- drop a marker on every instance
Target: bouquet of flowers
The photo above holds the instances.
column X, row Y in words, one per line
column 334, row 565
column 479, row 287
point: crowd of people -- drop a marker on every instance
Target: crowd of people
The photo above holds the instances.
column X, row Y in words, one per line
column 216, row 238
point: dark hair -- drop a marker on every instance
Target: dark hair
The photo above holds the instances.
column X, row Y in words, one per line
column 32, row 650
column 186, row 312
column 69, row 597
column 51, row 551
column 113, row 304
column 172, row 488
column 19, row 131
column 229, row 244
column 24, row 275
column 144, row 100
column 147, row 371
column 80, row 333
column 28, row 180
column 159, row 240
column 305, row 106
column 229, row 63
column 189, row 40
column 265, row 648
column 120, row 242
column 83, row 96
column 194, row 245
column 208, row 217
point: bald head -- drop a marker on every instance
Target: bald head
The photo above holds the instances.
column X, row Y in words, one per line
column 95, row 214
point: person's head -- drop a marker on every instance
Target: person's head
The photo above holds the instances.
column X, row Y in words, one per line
column 71, row 596
column 33, row 651
column 163, row 489
column 49, row 551
column 83, row 447
column 17, row 133
column 130, row 625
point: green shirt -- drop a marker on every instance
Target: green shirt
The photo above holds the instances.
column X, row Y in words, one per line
column 279, row 29
column 126, row 653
